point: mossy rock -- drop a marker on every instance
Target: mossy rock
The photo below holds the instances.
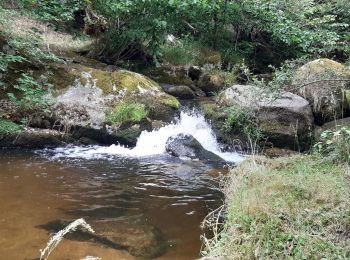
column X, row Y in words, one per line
column 319, row 82
column 111, row 82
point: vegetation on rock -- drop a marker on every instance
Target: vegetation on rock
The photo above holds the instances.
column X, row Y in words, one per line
column 8, row 128
column 126, row 113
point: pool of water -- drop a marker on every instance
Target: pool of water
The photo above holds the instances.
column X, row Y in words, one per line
column 166, row 193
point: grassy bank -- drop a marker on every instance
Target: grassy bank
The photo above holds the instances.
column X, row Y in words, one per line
column 287, row 208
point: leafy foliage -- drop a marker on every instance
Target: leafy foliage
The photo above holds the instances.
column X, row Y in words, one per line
column 242, row 121
column 7, row 128
column 335, row 144
column 31, row 93
column 236, row 28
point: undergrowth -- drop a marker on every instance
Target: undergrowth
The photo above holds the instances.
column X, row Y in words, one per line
column 8, row 128
column 287, row 208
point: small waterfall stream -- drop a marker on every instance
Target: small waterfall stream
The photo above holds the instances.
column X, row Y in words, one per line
column 138, row 196
column 153, row 143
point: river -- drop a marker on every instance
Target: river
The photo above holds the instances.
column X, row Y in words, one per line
column 138, row 192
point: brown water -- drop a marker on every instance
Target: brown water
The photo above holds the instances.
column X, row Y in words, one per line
column 167, row 193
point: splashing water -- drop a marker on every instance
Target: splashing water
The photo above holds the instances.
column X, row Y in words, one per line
column 153, row 143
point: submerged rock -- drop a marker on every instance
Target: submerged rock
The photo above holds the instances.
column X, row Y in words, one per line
column 185, row 145
column 313, row 81
column 286, row 119
column 138, row 239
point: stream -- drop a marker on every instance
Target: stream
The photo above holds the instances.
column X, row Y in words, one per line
column 136, row 198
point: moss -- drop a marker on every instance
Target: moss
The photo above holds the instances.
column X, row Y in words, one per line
column 9, row 128
column 61, row 78
column 211, row 110
column 112, row 82
column 162, row 76
column 321, row 69
column 169, row 101
column 126, row 113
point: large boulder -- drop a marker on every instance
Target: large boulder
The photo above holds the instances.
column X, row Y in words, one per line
column 84, row 96
column 185, row 145
column 317, row 81
column 286, row 119
column 139, row 239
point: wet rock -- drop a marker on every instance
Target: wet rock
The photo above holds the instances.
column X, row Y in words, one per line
column 180, row 91
column 286, row 119
column 184, row 145
column 157, row 124
column 326, row 98
column 138, row 239
column 36, row 138
column 194, row 72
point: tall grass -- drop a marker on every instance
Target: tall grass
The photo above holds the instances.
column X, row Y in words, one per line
column 287, row 208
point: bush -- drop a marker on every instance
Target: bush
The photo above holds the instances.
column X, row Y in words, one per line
column 30, row 97
column 242, row 121
column 335, row 144
column 8, row 128
column 126, row 113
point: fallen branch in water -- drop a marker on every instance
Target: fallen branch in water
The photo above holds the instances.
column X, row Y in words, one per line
column 56, row 239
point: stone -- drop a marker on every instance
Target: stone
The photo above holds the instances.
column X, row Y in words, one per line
column 326, row 98
column 184, row 145
column 180, row 91
column 194, row 72
column 286, row 119
column 81, row 101
column 211, row 83
column 140, row 240
column 35, row 138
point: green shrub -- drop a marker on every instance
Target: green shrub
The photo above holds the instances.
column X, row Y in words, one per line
column 335, row 144
column 31, row 92
column 8, row 128
column 242, row 121
column 126, row 113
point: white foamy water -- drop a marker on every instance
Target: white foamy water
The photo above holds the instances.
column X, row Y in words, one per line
column 153, row 143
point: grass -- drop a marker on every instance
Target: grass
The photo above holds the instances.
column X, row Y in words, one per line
column 286, row 208
column 8, row 128
column 19, row 26
column 126, row 113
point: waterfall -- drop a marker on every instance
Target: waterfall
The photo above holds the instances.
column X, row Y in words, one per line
column 153, row 143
